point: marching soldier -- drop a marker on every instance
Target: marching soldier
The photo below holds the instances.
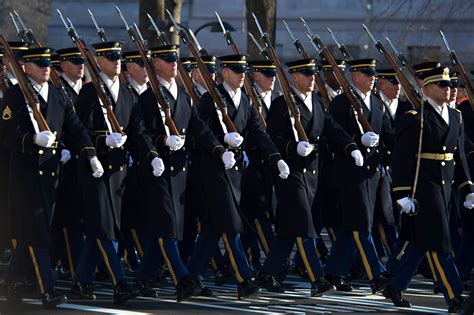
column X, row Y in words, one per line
column 35, row 163
column 426, row 217
column 68, row 215
column 165, row 194
column 257, row 184
column 222, row 187
column 358, row 186
column 102, row 196
column 332, row 85
column 296, row 194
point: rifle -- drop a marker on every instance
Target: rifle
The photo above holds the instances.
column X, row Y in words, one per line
column 410, row 92
column 454, row 59
column 412, row 96
column 285, row 84
column 351, row 96
column 28, row 91
column 217, row 97
column 249, row 87
column 103, row 94
column 403, row 60
column 317, row 78
column 157, row 89
column 103, row 38
column 26, row 35
column 342, row 48
column 3, row 83
column 188, row 83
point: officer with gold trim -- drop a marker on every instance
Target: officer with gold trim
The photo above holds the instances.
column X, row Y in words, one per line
column 295, row 195
column 222, row 186
column 358, row 186
column 102, row 197
column 35, row 161
column 426, row 217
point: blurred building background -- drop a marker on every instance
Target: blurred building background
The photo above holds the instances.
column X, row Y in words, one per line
column 412, row 25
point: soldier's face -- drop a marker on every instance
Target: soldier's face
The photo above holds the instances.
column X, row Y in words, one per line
column 111, row 68
column 453, row 94
column 37, row 73
column 364, row 82
column 390, row 90
column 234, row 79
column 197, row 77
column 72, row 71
column 166, row 70
column 137, row 72
column 438, row 94
column 264, row 82
column 303, row 83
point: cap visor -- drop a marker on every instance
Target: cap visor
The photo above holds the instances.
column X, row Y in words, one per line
column 368, row 71
column 43, row 63
column 114, row 56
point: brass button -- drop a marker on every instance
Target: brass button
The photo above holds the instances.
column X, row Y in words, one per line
column 110, row 166
column 54, row 152
column 55, row 133
column 443, row 182
column 236, row 168
column 454, row 163
column 455, row 148
column 368, row 167
column 387, row 167
column 183, row 148
column 40, row 152
column 368, row 149
column 444, row 148
column 314, row 172
column 452, row 182
column 443, row 163
column 40, row 172
column 121, row 168
column 52, row 174
column 317, row 138
column 77, row 157
column 184, row 169
column 377, row 169
column 304, row 170
column 171, row 168
column 377, row 150
column 389, row 152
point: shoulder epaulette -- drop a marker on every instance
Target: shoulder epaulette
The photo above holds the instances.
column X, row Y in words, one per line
column 411, row 112
column 457, row 110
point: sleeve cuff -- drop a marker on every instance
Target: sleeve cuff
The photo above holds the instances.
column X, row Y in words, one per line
column 27, row 143
column 88, row 152
column 351, row 147
column 217, row 151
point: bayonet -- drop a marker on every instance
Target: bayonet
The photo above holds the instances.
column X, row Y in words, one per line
column 445, row 41
column 201, row 50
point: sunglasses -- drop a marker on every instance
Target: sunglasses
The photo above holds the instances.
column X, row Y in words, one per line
column 442, row 84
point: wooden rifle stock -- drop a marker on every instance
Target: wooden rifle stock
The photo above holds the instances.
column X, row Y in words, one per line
column 462, row 73
column 30, row 95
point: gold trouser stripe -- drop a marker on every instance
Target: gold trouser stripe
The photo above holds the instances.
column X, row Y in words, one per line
column 136, row 240
column 199, row 227
column 167, row 261
column 14, row 243
column 232, row 259
column 299, row 242
column 261, row 235
column 443, row 276
column 249, row 254
column 69, row 253
column 106, row 260
column 362, row 255
column 214, row 264
column 37, row 271
column 125, row 257
column 430, row 263
column 333, row 235
column 383, row 237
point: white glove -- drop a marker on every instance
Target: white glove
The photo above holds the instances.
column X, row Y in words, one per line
column 407, row 205
column 234, row 139
column 370, row 139
column 228, row 159
column 283, row 169
column 158, row 166
column 304, row 148
column 44, row 138
column 358, row 158
column 469, row 203
column 65, row 156
column 174, row 142
column 96, row 166
column 115, row 140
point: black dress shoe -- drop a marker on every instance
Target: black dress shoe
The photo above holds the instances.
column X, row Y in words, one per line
column 256, row 266
column 321, row 286
column 285, row 270
column 222, row 275
column 102, row 275
column 124, row 292
column 340, row 283
column 14, row 292
column 200, row 289
column 50, row 299
column 83, row 291
column 301, row 271
column 147, row 289
column 247, row 289
column 185, row 288
column 455, row 305
column 396, row 296
column 378, row 283
column 269, row 282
